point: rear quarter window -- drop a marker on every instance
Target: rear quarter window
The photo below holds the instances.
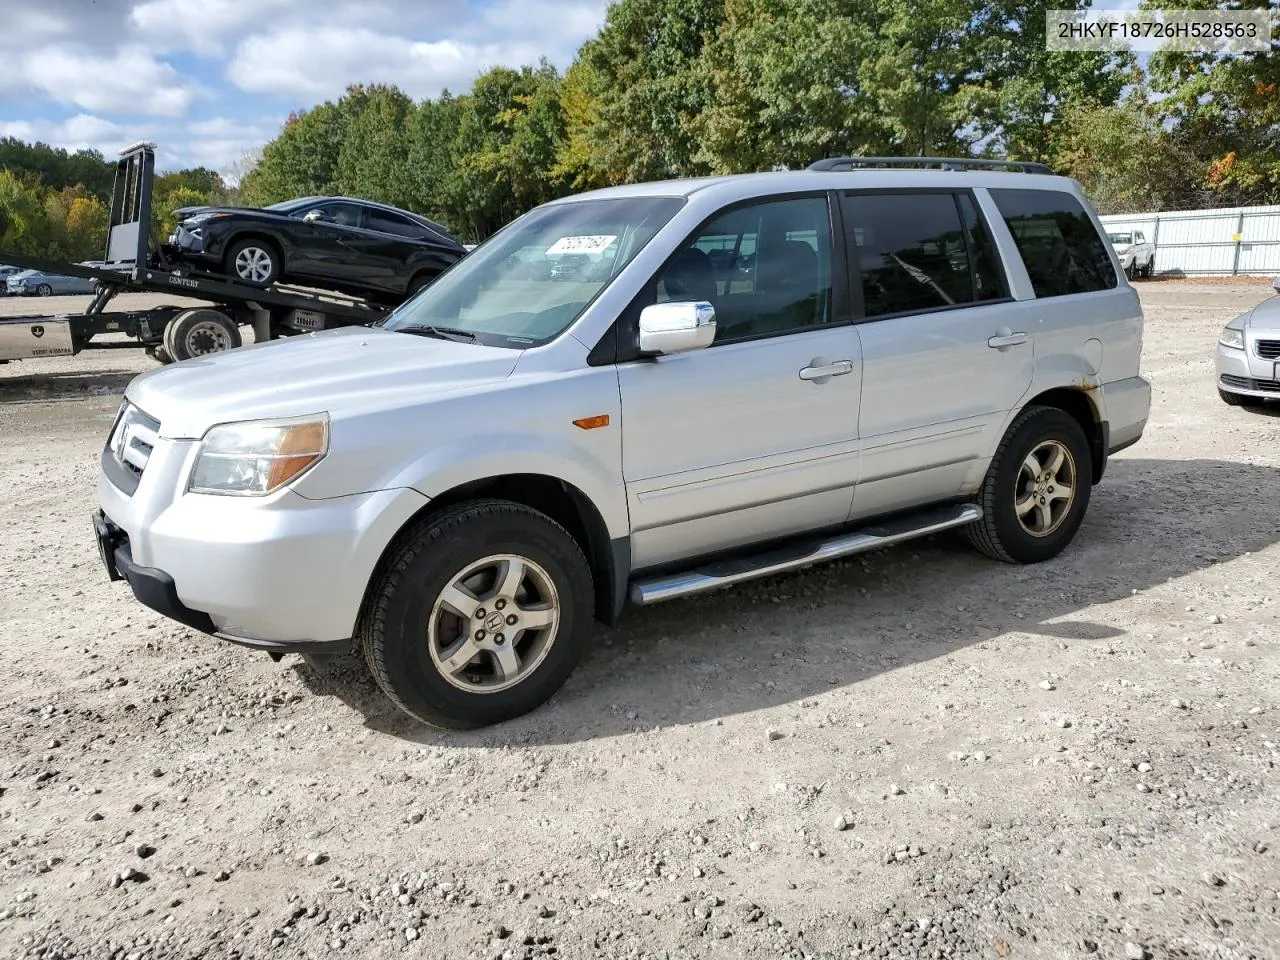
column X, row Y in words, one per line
column 1061, row 248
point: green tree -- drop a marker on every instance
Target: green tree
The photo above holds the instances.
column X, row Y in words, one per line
column 786, row 87
column 374, row 156
column 1126, row 160
column 302, row 160
column 25, row 222
column 1225, row 110
column 649, row 87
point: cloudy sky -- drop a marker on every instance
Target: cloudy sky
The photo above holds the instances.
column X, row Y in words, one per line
column 208, row 80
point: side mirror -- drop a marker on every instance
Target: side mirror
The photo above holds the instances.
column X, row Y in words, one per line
column 677, row 327
column 316, row 216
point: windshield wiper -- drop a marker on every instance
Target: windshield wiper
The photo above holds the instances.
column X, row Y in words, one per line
column 440, row 333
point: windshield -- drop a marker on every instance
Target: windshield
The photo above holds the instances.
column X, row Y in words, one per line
column 1120, row 238
column 284, row 206
column 533, row 278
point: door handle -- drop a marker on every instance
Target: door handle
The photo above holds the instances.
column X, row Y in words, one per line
column 1005, row 338
column 836, row 369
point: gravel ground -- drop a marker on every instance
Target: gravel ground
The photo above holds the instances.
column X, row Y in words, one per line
column 917, row 753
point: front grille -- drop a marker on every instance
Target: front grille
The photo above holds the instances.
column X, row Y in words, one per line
column 1267, row 349
column 1248, row 383
column 129, row 447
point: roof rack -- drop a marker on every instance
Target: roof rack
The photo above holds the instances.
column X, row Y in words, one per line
column 946, row 163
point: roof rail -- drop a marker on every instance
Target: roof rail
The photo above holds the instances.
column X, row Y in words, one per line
column 946, row 163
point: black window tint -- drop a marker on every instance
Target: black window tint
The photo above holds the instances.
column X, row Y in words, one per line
column 766, row 268
column 988, row 276
column 343, row 214
column 386, row 222
column 1059, row 245
column 911, row 251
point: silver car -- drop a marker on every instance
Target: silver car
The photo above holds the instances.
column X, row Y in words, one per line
column 37, row 283
column 1248, row 358
column 603, row 403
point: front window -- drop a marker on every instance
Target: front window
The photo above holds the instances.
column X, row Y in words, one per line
column 1120, row 239
column 288, row 206
column 531, row 280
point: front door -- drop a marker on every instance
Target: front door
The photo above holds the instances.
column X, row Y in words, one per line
column 326, row 246
column 756, row 436
column 946, row 351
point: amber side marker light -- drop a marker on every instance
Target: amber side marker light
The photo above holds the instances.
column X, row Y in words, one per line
column 590, row 423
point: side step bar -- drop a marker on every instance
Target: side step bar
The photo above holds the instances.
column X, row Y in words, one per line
column 727, row 572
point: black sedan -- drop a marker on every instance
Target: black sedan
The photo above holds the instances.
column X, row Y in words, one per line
column 354, row 246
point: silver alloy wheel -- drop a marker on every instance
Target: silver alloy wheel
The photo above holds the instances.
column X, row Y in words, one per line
column 206, row 337
column 255, row 264
column 1045, row 489
column 44, row 290
column 494, row 624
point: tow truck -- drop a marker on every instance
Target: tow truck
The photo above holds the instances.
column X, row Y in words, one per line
column 136, row 262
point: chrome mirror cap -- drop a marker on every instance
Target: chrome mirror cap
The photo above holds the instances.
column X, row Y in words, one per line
column 677, row 327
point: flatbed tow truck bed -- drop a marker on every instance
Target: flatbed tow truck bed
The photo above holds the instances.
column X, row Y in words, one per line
column 135, row 264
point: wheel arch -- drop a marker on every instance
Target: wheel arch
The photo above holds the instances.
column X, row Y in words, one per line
column 1081, row 403
column 609, row 559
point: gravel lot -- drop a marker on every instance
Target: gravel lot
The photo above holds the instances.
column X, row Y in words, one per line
column 919, row 753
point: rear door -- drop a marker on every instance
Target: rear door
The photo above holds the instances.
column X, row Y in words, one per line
column 946, row 350
column 386, row 246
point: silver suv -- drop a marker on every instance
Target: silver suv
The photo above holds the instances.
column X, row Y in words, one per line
column 639, row 393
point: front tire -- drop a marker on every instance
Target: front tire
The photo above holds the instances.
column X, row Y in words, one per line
column 1240, row 399
column 253, row 261
column 44, row 290
column 479, row 615
column 1036, row 490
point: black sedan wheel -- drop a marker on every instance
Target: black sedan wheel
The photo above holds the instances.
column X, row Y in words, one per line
column 253, row 261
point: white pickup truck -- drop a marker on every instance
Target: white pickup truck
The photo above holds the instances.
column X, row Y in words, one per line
column 1137, row 256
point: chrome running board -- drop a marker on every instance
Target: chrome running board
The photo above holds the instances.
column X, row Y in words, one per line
column 724, row 573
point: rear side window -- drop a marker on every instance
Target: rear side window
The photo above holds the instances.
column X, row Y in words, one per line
column 1061, row 248
column 385, row 222
column 918, row 252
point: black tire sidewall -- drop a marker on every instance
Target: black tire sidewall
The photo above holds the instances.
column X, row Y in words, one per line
column 1044, row 424
column 399, row 640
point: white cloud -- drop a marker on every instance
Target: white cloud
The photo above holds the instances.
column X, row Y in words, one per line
column 200, row 25
column 218, row 143
column 319, row 60
column 129, row 81
column 119, row 64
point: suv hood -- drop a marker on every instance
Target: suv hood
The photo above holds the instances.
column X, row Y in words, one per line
column 348, row 370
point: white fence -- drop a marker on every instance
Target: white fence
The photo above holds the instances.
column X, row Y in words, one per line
column 1223, row 241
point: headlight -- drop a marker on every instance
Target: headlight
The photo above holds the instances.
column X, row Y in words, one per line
column 253, row 458
column 1231, row 337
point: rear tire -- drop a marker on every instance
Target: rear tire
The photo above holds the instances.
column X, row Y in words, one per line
column 1149, row 269
column 200, row 333
column 444, row 628
column 1036, row 490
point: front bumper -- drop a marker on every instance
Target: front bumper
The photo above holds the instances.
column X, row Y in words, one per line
column 1243, row 371
column 280, row 573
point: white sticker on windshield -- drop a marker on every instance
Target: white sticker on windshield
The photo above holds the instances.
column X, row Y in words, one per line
column 581, row 244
